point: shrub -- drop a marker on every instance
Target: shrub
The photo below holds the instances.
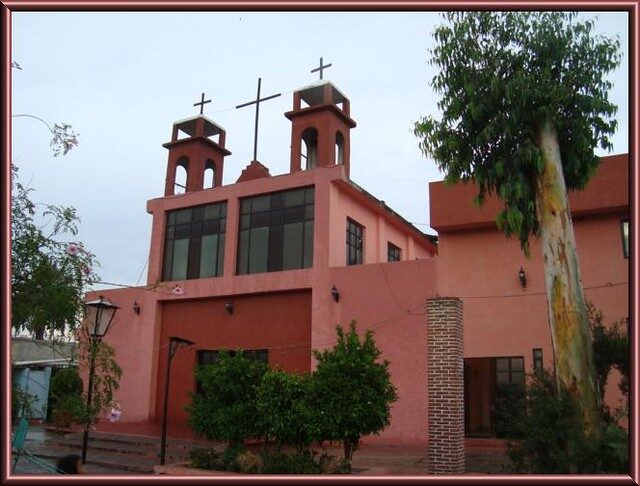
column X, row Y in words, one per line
column 21, row 402
column 226, row 408
column 352, row 389
column 284, row 409
column 249, row 462
column 69, row 410
column 204, row 458
column 66, row 382
column 510, row 410
column 555, row 441
column 303, row 462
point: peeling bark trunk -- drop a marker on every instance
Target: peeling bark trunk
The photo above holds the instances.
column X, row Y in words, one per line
column 573, row 348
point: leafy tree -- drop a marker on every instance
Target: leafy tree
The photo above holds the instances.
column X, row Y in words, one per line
column 106, row 374
column 226, row 408
column 49, row 270
column 524, row 104
column 353, row 392
column 286, row 414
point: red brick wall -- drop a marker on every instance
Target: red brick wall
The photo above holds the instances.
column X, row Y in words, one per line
column 446, row 451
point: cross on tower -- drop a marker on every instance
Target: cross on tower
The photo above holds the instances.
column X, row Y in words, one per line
column 202, row 103
column 321, row 68
column 257, row 103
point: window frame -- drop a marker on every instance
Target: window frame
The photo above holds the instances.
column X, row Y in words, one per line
column 510, row 370
column 275, row 219
column 358, row 235
column 194, row 231
column 394, row 252
column 538, row 360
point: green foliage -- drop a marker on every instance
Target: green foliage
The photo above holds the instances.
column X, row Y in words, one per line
column 66, row 382
column 510, row 410
column 226, row 410
column 502, row 75
column 352, row 389
column 48, row 272
column 204, row 458
column 106, row 377
column 21, row 402
column 610, row 349
column 69, row 409
column 285, row 409
column 555, row 441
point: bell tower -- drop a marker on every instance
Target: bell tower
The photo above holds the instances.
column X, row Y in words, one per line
column 320, row 127
column 196, row 152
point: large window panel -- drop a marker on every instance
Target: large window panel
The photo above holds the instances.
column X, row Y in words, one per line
column 276, row 232
column 194, row 242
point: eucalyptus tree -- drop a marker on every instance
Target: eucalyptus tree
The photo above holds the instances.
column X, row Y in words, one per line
column 524, row 103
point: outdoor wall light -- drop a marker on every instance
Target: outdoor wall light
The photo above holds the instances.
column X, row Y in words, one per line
column 522, row 277
column 229, row 306
column 136, row 307
column 335, row 294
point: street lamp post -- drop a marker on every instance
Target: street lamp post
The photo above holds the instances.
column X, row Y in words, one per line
column 99, row 316
column 174, row 342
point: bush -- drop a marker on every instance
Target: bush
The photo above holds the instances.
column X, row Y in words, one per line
column 555, row 441
column 510, row 410
column 21, row 402
column 249, row 462
column 352, row 390
column 66, row 382
column 204, row 458
column 285, row 412
column 69, row 410
column 226, row 408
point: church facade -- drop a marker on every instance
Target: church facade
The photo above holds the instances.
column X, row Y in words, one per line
column 272, row 263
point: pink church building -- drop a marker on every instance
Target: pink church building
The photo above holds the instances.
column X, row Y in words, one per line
column 272, row 263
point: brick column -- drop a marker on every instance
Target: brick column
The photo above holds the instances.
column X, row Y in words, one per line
column 445, row 373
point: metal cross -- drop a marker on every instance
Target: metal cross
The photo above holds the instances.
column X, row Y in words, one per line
column 321, row 68
column 202, row 103
column 257, row 103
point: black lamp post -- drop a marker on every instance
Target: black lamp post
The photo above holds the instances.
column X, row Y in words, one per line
column 99, row 316
column 174, row 342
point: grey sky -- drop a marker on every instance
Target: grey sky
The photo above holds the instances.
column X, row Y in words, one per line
column 122, row 79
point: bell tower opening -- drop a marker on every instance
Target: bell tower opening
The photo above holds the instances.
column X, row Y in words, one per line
column 320, row 127
column 339, row 155
column 182, row 171
column 209, row 174
column 309, row 148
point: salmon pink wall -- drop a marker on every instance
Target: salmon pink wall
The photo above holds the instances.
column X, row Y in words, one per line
column 393, row 305
column 279, row 322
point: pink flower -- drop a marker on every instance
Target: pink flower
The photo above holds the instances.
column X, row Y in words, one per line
column 177, row 290
column 86, row 271
column 73, row 249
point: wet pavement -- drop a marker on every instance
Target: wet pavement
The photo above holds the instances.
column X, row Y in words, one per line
column 127, row 449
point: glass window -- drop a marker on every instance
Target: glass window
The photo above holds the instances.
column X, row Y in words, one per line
column 393, row 252
column 276, row 232
column 510, row 370
column 194, row 242
column 354, row 242
column 624, row 228
column 537, row 360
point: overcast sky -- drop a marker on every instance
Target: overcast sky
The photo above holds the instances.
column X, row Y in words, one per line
column 122, row 79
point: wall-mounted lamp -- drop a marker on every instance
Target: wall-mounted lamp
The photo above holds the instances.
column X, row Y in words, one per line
column 229, row 306
column 522, row 277
column 136, row 307
column 335, row 294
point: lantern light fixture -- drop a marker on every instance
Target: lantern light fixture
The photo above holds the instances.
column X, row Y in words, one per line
column 335, row 294
column 523, row 278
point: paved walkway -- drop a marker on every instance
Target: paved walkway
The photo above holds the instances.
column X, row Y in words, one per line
column 483, row 457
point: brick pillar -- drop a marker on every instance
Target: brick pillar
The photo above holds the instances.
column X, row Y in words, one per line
column 446, row 386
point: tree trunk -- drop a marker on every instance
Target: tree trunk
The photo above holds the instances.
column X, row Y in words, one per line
column 573, row 348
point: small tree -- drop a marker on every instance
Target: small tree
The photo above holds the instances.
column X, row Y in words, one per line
column 48, row 271
column 65, row 397
column 353, row 392
column 286, row 414
column 106, row 378
column 226, row 407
